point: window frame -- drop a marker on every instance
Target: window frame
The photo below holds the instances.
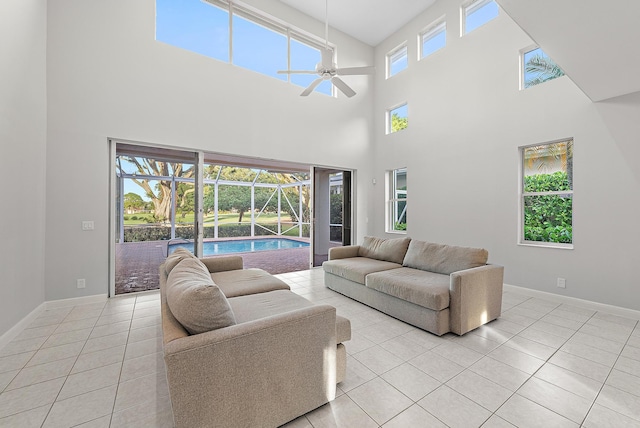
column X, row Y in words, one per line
column 395, row 54
column 389, row 116
column 429, row 32
column 469, row 8
column 393, row 199
column 522, row 195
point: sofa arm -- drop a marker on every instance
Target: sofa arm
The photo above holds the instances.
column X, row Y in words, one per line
column 266, row 362
column 345, row 252
column 222, row 264
column 475, row 297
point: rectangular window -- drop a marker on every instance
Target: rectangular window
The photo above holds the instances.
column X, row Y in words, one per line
column 397, row 118
column 433, row 38
column 546, row 196
column 397, row 60
column 478, row 13
column 537, row 67
column 397, row 200
column 254, row 40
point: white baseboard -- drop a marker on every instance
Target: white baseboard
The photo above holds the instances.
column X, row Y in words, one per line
column 14, row 331
column 587, row 304
column 74, row 301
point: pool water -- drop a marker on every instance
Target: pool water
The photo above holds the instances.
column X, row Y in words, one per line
column 210, row 248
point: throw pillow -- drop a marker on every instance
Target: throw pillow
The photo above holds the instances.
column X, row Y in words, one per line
column 194, row 299
column 391, row 250
column 176, row 257
column 444, row 259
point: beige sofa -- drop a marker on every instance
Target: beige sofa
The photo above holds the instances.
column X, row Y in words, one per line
column 438, row 288
column 241, row 349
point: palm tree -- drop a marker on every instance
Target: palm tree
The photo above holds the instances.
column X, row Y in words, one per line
column 542, row 68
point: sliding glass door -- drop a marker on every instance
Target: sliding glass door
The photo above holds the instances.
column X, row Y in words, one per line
column 155, row 207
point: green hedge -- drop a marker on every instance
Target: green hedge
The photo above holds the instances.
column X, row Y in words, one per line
column 548, row 218
column 159, row 233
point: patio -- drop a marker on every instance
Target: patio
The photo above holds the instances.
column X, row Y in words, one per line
column 137, row 263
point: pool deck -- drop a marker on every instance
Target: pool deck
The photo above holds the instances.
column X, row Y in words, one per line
column 137, row 263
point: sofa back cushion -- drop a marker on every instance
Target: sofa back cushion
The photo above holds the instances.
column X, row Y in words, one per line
column 444, row 259
column 176, row 257
column 390, row 250
column 194, row 300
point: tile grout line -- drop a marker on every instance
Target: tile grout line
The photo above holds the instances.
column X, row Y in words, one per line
column 609, row 374
column 74, row 363
column 545, row 361
column 115, row 397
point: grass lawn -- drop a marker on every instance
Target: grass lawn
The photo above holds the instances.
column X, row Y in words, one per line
column 223, row 218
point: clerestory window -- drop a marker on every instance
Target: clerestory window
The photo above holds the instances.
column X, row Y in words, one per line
column 397, row 60
column 254, row 40
column 477, row 13
column 537, row 67
column 433, row 38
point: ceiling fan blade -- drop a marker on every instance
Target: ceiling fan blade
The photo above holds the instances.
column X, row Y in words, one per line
column 339, row 83
column 297, row 72
column 346, row 71
column 311, row 87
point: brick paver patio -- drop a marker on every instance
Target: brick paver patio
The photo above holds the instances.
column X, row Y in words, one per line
column 137, row 263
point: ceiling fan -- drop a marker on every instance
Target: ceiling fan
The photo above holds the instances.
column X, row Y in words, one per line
column 327, row 69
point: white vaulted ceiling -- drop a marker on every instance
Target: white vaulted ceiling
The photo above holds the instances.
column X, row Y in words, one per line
column 597, row 43
column 370, row 21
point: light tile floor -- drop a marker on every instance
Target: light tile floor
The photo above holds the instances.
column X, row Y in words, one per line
column 542, row 364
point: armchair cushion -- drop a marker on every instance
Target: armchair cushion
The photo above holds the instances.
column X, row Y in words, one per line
column 195, row 301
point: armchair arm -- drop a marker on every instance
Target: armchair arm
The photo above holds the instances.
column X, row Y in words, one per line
column 345, row 252
column 266, row 362
column 222, row 264
column 475, row 297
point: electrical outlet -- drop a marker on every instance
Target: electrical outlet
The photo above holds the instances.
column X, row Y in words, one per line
column 87, row 225
column 81, row 283
column 562, row 283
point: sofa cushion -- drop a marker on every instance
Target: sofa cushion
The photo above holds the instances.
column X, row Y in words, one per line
column 426, row 289
column 444, row 259
column 176, row 257
column 391, row 250
column 256, row 306
column 247, row 281
column 356, row 268
column 194, row 300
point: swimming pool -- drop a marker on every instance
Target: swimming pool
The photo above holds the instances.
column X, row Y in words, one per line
column 214, row 248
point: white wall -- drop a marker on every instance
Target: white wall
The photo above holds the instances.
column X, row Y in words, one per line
column 467, row 119
column 22, row 151
column 108, row 77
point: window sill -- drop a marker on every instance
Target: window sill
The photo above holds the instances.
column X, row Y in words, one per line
column 396, row 232
column 555, row 245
